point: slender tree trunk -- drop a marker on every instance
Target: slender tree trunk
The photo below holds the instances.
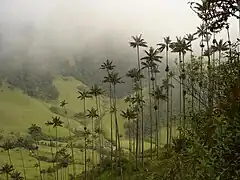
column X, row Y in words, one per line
column 184, row 91
column 100, row 135
column 56, row 152
column 192, row 82
column 171, row 113
column 180, row 90
column 150, row 114
column 23, row 165
column 201, row 76
column 85, row 140
column 9, row 157
column 52, row 156
column 129, row 147
column 141, row 106
column 92, row 141
column 167, row 78
column 117, row 131
column 156, row 123
column 111, row 116
column 85, row 158
column 71, row 143
column 39, row 162
column 210, row 87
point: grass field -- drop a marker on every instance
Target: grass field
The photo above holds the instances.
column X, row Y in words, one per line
column 18, row 111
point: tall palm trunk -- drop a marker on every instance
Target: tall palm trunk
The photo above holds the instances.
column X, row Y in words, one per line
column 9, row 157
column 150, row 113
column 92, row 141
column 23, row 165
column 142, row 113
column 118, row 143
column 39, row 162
column 100, row 135
column 192, row 80
column 180, row 89
column 52, row 155
column 85, row 140
column 111, row 118
column 171, row 113
column 210, row 87
column 156, row 118
column 129, row 147
column 184, row 90
column 201, row 75
column 71, row 142
column 167, row 78
column 56, row 151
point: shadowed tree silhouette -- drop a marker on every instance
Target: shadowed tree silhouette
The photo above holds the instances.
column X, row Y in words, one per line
column 55, row 123
column 83, row 95
column 158, row 95
column 7, row 146
column 92, row 113
column 165, row 46
column 138, row 42
column 149, row 62
column 6, row 169
column 20, row 144
column 63, row 105
column 16, row 176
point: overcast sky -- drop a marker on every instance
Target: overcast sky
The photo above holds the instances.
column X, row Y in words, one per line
column 69, row 25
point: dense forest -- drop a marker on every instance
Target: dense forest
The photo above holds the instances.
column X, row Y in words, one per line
column 151, row 118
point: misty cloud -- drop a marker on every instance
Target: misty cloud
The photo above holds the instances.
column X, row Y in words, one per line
column 43, row 29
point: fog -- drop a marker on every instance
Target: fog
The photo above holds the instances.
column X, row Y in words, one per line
column 43, row 29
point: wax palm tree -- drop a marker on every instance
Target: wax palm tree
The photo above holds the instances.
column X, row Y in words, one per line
column 115, row 79
column 96, row 91
column 7, row 146
column 6, row 169
column 165, row 46
column 171, row 75
column 36, row 133
column 136, row 77
column 181, row 47
column 63, row 105
column 84, row 95
column 190, row 38
column 138, row 42
column 16, row 176
column 158, row 95
column 109, row 67
column 129, row 114
column 20, row 143
column 86, row 136
column 201, row 33
column 150, row 61
column 220, row 47
column 166, row 85
column 55, row 123
column 92, row 113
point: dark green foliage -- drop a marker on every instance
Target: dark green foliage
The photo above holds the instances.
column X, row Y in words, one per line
column 34, row 81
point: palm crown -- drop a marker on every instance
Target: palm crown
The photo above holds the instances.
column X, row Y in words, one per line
column 138, row 41
column 165, row 45
column 92, row 113
column 107, row 65
column 56, row 122
column 84, row 94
